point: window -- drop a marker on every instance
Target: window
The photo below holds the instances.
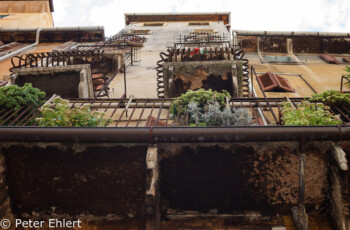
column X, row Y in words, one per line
column 198, row 24
column 140, row 32
column 208, row 31
column 4, row 16
column 153, row 24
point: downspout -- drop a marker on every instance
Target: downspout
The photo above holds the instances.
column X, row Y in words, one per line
column 7, row 56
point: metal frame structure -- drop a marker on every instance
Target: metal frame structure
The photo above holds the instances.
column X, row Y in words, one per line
column 342, row 81
column 201, row 40
column 94, row 57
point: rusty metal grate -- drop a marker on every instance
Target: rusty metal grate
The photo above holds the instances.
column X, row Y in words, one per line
column 271, row 82
column 330, row 59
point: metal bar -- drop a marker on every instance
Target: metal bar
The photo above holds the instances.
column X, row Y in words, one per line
column 132, row 113
column 273, row 113
column 32, row 117
column 12, row 115
column 21, row 115
column 341, row 112
column 124, row 80
column 110, row 117
column 174, row 134
column 167, row 116
column 143, row 109
column 160, row 111
column 28, row 115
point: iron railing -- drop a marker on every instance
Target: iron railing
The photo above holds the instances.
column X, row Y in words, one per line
column 130, row 112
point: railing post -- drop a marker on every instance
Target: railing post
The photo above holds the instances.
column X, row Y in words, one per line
column 124, row 80
column 300, row 216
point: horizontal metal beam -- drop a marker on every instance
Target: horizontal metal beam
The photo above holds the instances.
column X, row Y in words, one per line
column 174, row 134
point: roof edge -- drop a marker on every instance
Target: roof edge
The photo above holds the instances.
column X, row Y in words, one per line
column 173, row 17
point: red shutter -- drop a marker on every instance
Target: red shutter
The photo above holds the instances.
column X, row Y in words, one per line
column 346, row 59
column 284, row 84
column 268, row 81
column 330, row 59
column 271, row 82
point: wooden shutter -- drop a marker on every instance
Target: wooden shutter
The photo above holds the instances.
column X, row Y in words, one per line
column 330, row 59
column 271, row 82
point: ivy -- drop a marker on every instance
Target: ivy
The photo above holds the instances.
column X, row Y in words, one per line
column 14, row 96
column 307, row 114
column 60, row 115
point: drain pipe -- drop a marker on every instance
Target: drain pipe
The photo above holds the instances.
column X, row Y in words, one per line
column 7, row 56
column 174, row 134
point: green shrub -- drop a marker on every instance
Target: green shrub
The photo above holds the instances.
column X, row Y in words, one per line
column 308, row 114
column 212, row 115
column 331, row 97
column 14, row 96
column 201, row 97
column 62, row 116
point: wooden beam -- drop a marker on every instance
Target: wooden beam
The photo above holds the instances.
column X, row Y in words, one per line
column 152, row 208
column 299, row 214
column 336, row 198
column 340, row 157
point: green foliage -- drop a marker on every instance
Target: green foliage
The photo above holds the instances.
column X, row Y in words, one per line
column 212, row 115
column 201, row 97
column 331, row 97
column 308, row 114
column 62, row 116
column 14, row 96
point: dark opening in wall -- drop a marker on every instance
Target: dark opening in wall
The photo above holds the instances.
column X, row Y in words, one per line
column 140, row 32
column 153, row 24
column 198, row 23
column 4, row 16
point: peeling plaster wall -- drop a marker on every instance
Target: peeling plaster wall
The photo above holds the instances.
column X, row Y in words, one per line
column 5, row 208
column 85, row 179
column 235, row 178
column 216, row 75
column 107, row 182
column 74, row 81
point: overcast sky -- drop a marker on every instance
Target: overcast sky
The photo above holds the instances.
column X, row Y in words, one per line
column 297, row 15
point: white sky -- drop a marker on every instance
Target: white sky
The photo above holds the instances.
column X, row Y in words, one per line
column 282, row 15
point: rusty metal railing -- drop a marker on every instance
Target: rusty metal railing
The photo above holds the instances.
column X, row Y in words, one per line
column 130, row 112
